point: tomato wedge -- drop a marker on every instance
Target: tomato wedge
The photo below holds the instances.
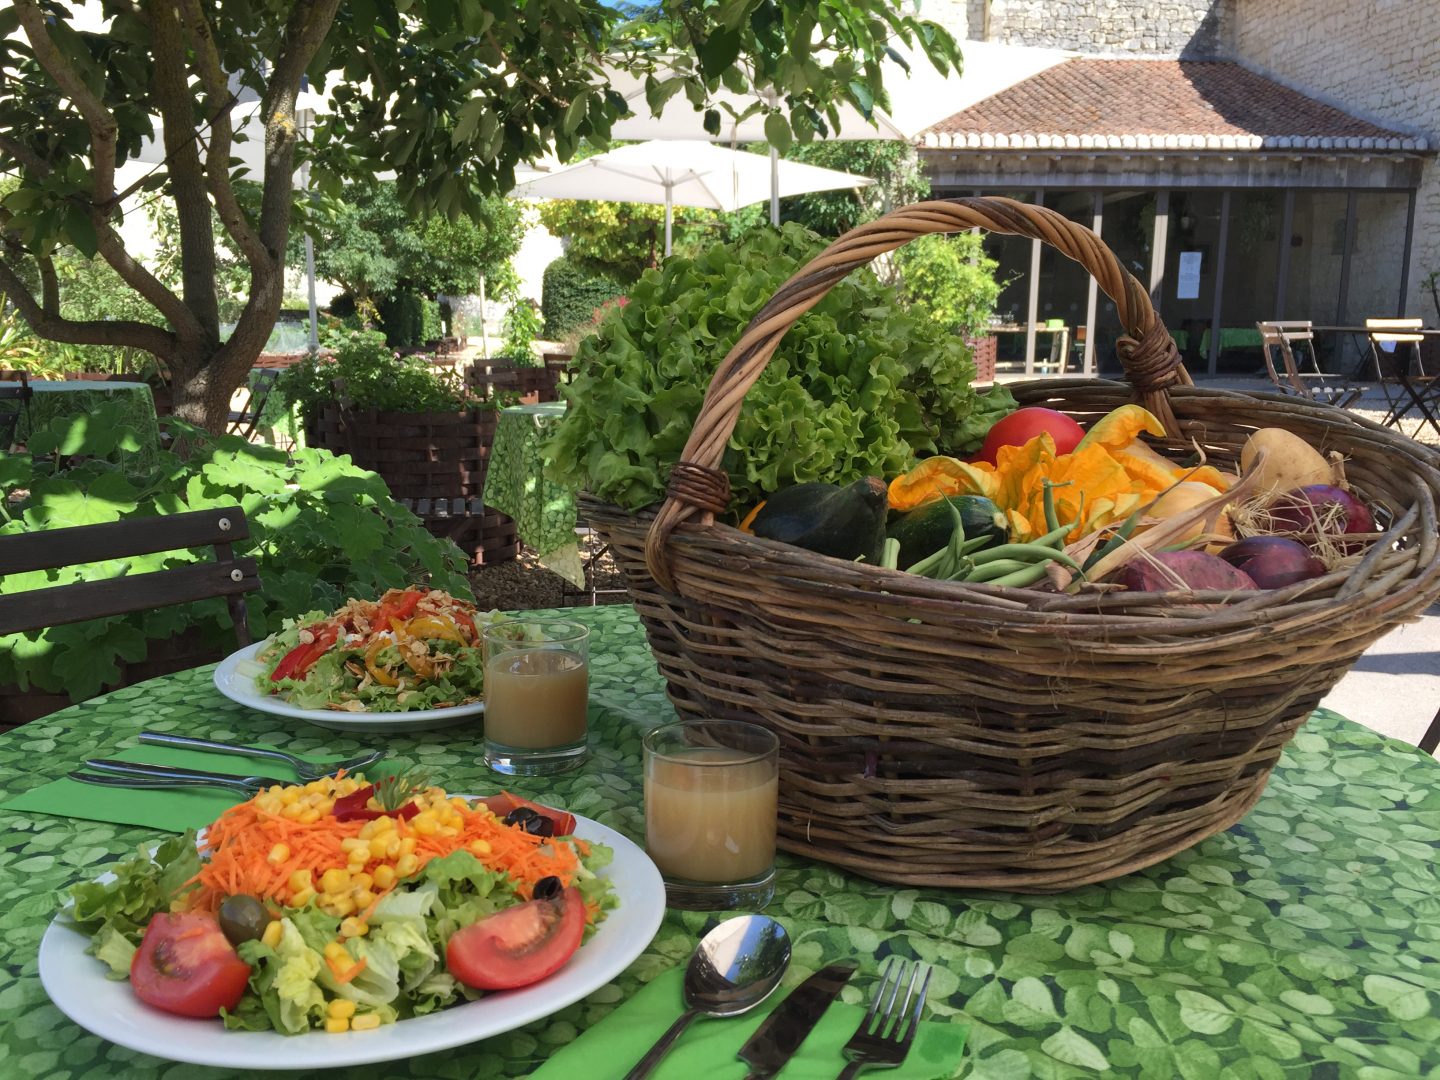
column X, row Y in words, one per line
column 397, row 605
column 502, row 804
column 185, row 965
column 302, row 658
column 520, row 945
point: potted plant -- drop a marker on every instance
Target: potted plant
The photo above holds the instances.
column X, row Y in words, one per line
column 953, row 281
column 416, row 426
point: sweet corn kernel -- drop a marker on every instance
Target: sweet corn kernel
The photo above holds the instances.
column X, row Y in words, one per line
column 406, row 865
column 361, row 881
column 363, row 898
column 269, row 804
column 335, row 880
column 336, row 952
column 290, row 796
column 278, row 854
column 353, row 927
column 449, row 831
column 367, row 1022
column 308, row 816
column 341, row 1008
column 394, row 846
column 336, row 1024
column 459, row 804
column 326, row 806
column 480, row 847
column 301, row 897
column 315, row 798
column 273, row 931
column 384, row 824
column 367, row 830
column 378, row 846
column 384, row 876
column 353, row 843
column 407, row 846
column 342, row 906
column 300, row 879
column 425, row 824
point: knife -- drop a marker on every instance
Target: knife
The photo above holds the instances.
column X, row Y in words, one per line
column 776, row 1040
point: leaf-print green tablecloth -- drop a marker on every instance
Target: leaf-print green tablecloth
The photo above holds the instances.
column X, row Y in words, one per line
column 1304, row 942
column 515, row 484
column 77, row 397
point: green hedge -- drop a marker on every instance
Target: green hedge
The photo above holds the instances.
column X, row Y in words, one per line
column 410, row 319
column 571, row 294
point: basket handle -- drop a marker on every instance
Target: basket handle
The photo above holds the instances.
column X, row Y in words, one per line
column 698, row 487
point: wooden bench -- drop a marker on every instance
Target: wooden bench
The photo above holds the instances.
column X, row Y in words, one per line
column 485, row 534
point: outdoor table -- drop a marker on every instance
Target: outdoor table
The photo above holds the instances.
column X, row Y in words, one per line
column 1302, row 942
column 515, row 484
column 1419, row 390
column 55, row 399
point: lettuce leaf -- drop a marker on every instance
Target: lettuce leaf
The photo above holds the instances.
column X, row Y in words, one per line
column 143, row 885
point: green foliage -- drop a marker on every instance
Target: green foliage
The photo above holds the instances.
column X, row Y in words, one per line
column 952, row 280
column 858, row 387
column 623, row 240
column 571, row 293
column 522, row 326
column 403, row 318
column 374, row 378
column 321, row 530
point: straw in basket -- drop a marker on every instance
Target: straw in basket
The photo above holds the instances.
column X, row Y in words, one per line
column 950, row 734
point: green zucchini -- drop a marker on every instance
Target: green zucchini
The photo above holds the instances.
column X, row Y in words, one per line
column 926, row 529
column 842, row 522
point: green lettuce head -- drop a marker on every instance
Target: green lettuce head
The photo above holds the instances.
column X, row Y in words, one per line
column 861, row 386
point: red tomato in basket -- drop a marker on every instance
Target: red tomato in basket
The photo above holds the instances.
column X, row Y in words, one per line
column 185, row 965
column 1024, row 424
column 520, row 945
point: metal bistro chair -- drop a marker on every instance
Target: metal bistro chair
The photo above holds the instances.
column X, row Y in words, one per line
column 1300, row 378
column 52, row 549
column 1400, row 370
column 14, row 403
column 243, row 422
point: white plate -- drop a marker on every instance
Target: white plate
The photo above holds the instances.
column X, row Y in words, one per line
column 77, row 985
column 241, row 688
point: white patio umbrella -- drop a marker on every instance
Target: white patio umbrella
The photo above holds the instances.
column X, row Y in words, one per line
column 919, row 98
column 683, row 173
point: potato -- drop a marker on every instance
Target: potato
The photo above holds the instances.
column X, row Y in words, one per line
column 1187, row 496
column 1290, row 462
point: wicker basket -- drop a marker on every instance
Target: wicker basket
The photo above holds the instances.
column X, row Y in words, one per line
column 937, row 733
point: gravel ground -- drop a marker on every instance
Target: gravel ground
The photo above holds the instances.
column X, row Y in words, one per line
column 523, row 584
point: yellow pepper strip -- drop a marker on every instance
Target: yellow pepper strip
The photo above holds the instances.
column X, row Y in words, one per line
column 379, row 674
column 433, row 627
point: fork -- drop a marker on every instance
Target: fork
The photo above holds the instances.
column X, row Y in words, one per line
column 305, row 770
column 884, row 1036
column 147, row 777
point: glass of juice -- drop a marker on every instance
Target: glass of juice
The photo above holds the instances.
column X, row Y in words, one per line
column 710, row 808
column 537, row 691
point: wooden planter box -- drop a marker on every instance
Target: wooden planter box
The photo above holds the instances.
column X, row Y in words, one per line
column 986, row 350
column 434, row 463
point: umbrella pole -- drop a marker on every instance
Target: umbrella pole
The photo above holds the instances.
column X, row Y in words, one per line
column 774, row 186
column 669, row 194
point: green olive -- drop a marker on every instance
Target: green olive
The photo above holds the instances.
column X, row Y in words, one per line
column 243, row 918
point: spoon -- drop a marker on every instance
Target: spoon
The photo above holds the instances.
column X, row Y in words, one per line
column 734, row 968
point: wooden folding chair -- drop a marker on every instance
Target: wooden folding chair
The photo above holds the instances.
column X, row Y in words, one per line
column 1400, row 370
column 1302, row 377
column 243, row 422
column 57, row 605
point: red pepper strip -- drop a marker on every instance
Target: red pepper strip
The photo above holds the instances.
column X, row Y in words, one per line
column 352, row 807
column 302, row 658
column 402, row 607
column 501, row 805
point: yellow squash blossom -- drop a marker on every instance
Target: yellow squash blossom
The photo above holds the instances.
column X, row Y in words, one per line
column 1110, row 475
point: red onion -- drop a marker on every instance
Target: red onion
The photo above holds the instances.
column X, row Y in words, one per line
column 1159, row 571
column 1273, row 561
column 1318, row 510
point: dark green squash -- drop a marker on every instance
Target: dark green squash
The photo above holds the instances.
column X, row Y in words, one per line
column 926, row 529
column 842, row 522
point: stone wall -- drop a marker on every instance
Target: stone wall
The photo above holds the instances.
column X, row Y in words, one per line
column 1115, row 27
column 1375, row 59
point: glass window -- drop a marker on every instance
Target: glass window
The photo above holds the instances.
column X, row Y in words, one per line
column 1129, row 230
column 1187, row 291
column 1064, row 287
column 1252, row 259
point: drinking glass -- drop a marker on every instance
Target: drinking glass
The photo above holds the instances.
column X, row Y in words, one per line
column 537, row 692
column 710, row 809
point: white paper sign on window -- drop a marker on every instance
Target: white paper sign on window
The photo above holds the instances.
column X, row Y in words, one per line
column 1187, row 287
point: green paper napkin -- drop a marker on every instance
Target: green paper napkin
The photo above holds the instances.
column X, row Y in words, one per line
column 167, row 809
column 612, row 1047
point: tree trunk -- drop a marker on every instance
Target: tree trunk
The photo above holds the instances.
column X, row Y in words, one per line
column 202, row 397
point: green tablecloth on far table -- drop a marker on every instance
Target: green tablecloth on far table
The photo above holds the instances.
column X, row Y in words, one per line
column 1305, row 941
column 80, row 397
column 515, row 484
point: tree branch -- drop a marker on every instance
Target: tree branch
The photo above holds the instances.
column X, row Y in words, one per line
column 49, row 285
column 222, row 133
column 103, row 128
column 27, row 157
column 122, row 332
column 187, row 177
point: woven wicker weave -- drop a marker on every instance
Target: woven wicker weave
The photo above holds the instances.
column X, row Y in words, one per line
column 937, row 733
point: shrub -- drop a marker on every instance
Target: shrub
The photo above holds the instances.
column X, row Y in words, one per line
column 522, row 326
column 321, row 530
column 571, row 294
column 952, row 280
column 409, row 319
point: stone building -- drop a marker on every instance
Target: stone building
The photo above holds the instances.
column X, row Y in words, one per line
column 1248, row 159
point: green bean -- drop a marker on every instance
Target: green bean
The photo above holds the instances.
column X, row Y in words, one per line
column 993, row 570
column 1055, row 537
column 1121, row 535
column 1029, row 552
column 1052, row 521
column 1021, row 578
column 890, row 553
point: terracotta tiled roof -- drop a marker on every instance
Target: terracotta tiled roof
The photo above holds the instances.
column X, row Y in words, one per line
column 1087, row 103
